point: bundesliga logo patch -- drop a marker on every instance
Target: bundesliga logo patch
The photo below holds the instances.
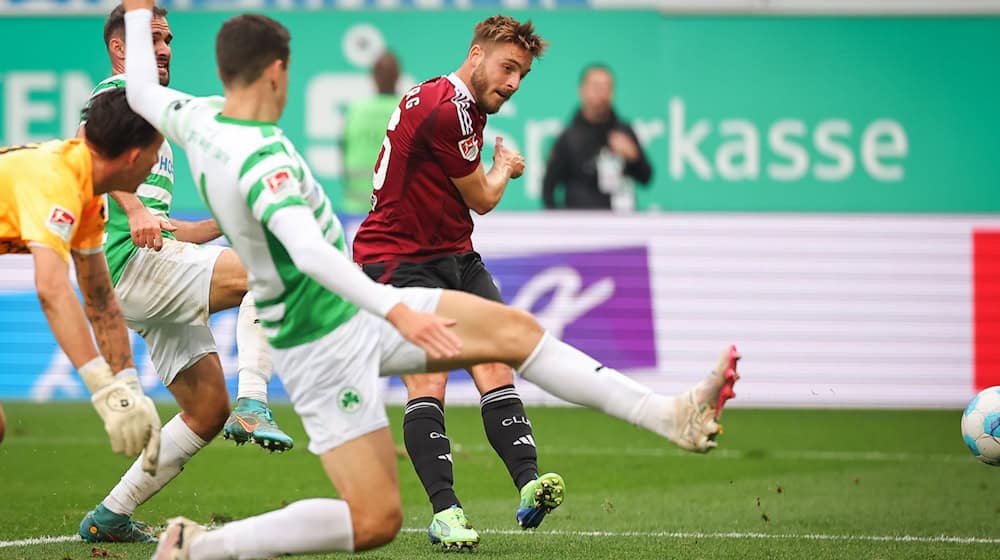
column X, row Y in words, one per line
column 61, row 222
column 277, row 180
column 469, row 148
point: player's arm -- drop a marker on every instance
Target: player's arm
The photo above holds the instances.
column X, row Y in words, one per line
column 60, row 305
column 126, row 419
column 132, row 423
column 143, row 226
column 198, row 232
column 482, row 190
column 278, row 201
column 625, row 143
column 145, row 94
column 103, row 309
column 297, row 230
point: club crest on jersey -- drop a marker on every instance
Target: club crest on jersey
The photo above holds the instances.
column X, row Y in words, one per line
column 277, row 180
column 469, row 148
column 61, row 222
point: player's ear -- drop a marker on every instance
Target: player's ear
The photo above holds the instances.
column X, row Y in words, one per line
column 131, row 155
column 117, row 47
column 273, row 73
column 476, row 54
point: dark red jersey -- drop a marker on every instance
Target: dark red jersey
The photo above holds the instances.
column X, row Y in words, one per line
column 417, row 212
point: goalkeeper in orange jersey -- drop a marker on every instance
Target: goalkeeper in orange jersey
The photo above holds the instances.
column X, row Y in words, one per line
column 50, row 207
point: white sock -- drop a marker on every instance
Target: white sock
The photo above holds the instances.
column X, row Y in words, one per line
column 315, row 525
column 177, row 445
column 573, row 376
column 253, row 353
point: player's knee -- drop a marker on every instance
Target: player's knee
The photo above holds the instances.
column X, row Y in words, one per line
column 374, row 527
column 3, row 424
column 426, row 385
column 490, row 376
column 519, row 333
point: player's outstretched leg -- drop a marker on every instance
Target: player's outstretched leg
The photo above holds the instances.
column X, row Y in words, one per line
column 538, row 498
column 252, row 419
column 491, row 332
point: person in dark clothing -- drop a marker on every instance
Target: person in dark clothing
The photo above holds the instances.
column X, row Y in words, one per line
column 595, row 153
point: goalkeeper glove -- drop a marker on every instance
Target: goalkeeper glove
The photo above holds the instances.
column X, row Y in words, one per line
column 129, row 416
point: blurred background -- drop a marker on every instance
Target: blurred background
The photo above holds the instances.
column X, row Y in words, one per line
column 824, row 187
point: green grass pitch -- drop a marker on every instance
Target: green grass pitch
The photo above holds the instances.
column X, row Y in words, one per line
column 783, row 484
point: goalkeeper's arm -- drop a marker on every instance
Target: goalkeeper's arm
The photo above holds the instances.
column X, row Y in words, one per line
column 132, row 422
column 129, row 417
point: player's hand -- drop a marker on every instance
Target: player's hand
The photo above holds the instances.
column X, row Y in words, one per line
column 146, row 228
column 428, row 331
column 130, row 5
column 511, row 159
column 130, row 418
column 623, row 145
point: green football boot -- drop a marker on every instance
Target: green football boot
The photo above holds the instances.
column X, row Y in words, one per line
column 104, row 525
column 538, row 498
column 452, row 530
column 251, row 420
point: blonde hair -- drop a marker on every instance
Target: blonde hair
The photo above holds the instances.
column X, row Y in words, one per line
column 505, row 29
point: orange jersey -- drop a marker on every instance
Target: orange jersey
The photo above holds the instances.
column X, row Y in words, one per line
column 47, row 198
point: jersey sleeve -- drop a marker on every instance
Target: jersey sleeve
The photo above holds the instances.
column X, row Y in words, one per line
column 89, row 235
column 454, row 141
column 49, row 215
column 269, row 182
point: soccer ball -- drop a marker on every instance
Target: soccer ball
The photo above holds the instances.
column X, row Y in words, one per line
column 981, row 426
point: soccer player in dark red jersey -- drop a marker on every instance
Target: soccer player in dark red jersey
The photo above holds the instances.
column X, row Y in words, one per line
column 428, row 177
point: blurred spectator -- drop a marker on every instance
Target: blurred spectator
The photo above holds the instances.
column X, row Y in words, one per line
column 598, row 155
column 363, row 133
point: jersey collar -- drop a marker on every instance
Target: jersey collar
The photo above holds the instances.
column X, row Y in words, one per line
column 460, row 86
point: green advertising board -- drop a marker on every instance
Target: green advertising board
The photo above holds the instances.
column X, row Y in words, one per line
column 738, row 113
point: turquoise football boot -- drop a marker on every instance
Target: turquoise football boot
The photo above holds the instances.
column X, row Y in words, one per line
column 252, row 420
column 104, row 525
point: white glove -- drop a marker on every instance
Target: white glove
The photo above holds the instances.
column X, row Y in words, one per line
column 129, row 416
column 151, row 452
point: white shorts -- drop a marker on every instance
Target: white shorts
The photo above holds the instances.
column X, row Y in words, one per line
column 333, row 381
column 164, row 296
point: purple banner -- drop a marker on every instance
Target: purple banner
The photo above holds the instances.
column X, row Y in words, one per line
column 598, row 301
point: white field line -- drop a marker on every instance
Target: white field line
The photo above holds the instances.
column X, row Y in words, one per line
column 39, row 540
column 939, row 539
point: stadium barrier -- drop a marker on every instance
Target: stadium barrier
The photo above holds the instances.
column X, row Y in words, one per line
column 830, row 311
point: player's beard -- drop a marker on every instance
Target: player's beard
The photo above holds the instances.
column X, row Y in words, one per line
column 165, row 80
column 481, row 89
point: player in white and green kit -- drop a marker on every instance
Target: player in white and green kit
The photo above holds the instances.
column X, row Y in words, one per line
column 333, row 330
column 168, row 285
